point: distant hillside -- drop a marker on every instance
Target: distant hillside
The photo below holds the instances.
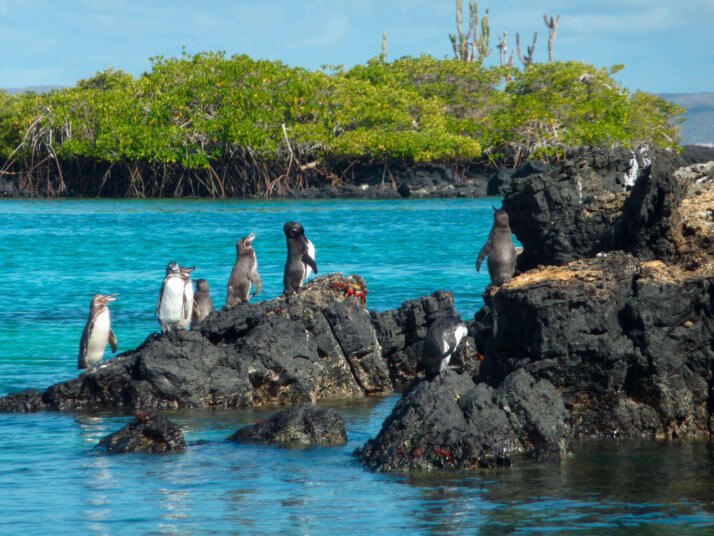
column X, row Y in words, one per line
column 699, row 126
column 35, row 89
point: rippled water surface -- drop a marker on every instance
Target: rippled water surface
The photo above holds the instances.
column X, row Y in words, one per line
column 54, row 255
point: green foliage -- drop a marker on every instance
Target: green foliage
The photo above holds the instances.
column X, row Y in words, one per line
column 554, row 106
column 106, row 80
column 196, row 110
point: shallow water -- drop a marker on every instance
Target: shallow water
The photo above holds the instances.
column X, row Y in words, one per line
column 54, row 255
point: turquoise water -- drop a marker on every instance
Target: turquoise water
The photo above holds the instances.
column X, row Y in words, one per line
column 54, row 255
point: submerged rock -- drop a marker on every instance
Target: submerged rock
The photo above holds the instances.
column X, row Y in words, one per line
column 317, row 343
column 27, row 401
column 304, row 426
column 152, row 434
column 451, row 422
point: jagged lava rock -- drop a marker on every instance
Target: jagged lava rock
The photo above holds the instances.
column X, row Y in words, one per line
column 153, row 434
column 628, row 343
column 451, row 422
column 575, row 210
column 27, row 401
column 401, row 332
column 315, row 344
column 304, row 426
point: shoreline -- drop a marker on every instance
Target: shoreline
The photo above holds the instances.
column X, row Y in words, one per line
column 468, row 180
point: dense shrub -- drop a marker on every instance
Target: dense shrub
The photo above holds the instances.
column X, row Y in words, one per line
column 198, row 110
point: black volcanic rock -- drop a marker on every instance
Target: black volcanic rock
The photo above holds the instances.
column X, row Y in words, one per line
column 649, row 215
column 401, row 331
column 627, row 343
column 152, row 434
column 27, row 401
column 584, row 207
column 451, row 422
column 317, row 343
column 304, row 426
column 697, row 154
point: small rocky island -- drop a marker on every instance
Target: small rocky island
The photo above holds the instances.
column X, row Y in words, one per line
column 606, row 331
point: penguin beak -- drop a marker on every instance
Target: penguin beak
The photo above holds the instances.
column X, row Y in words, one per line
column 111, row 297
column 250, row 238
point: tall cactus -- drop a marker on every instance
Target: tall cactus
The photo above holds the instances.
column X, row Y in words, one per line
column 383, row 53
column 529, row 57
column 504, row 58
column 473, row 45
column 552, row 25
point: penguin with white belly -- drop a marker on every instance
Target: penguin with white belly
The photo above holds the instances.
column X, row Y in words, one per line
column 440, row 344
column 188, row 293
column 170, row 307
column 301, row 257
column 97, row 332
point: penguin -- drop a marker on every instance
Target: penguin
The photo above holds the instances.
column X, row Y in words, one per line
column 301, row 257
column 499, row 249
column 202, row 303
column 170, row 307
column 441, row 341
column 244, row 274
column 187, row 311
column 97, row 332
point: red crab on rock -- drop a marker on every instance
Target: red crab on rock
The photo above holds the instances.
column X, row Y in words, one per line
column 352, row 289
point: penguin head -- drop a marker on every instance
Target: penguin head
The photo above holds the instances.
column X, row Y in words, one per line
column 172, row 268
column 100, row 301
column 245, row 244
column 186, row 271
column 202, row 286
column 500, row 217
column 293, row 229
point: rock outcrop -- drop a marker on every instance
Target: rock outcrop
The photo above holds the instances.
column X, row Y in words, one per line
column 626, row 337
column 598, row 202
column 318, row 343
column 628, row 343
column 150, row 434
column 451, row 422
column 615, row 344
column 401, row 331
column 304, row 426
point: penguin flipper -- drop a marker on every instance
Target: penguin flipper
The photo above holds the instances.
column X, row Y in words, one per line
column 161, row 295
column 482, row 255
column 309, row 261
column 82, row 361
column 257, row 281
column 113, row 342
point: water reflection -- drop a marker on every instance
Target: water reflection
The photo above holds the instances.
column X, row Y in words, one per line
column 605, row 485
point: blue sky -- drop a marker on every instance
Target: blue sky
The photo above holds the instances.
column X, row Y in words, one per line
column 666, row 46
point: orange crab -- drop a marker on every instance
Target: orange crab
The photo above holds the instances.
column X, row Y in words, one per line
column 353, row 289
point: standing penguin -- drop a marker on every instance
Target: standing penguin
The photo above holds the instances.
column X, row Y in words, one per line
column 202, row 303
column 97, row 332
column 244, row 274
column 187, row 312
column 301, row 257
column 499, row 249
column 170, row 308
column 440, row 343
